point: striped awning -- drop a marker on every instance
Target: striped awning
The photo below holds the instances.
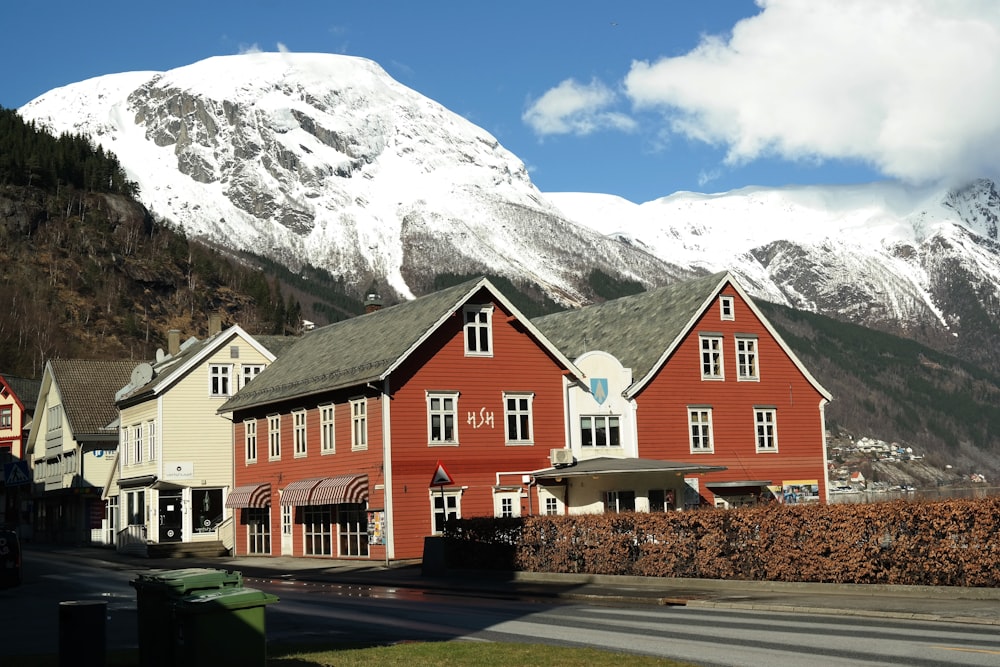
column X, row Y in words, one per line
column 251, row 495
column 340, row 489
column 297, row 493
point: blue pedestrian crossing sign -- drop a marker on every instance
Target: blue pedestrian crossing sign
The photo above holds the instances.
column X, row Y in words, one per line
column 16, row 473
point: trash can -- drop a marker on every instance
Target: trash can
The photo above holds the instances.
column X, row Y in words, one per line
column 221, row 628
column 155, row 594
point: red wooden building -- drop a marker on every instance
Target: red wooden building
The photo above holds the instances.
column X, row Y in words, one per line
column 704, row 378
column 339, row 441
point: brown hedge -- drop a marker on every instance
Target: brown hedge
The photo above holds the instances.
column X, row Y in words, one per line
column 944, row 543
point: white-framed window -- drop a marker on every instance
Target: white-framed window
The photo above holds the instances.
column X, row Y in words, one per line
column 299, row 433
column 137, row 445
column 552, row 506
column 286, row 519
column 711, row 356
column 327, row 430
column 517, row 418
column 135, row 508
column 126, row 447
column 359, row 423
column 700, row 427
column 317, row 530
column 726, row 311
column 507, row 504
column 219, row 379
column 274, row 437
column 151, row 443
column 766, row 424
column 444, row 505
column 619, row 501
column 250, row 440
column 600, row 431
column 442, row 418
column 352, row 529
column 746, row 358
column 250, row 371
column 478, row 331
column 6, row 416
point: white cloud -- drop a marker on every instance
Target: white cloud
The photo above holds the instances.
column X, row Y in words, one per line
column 908, row 86
column 282, row 48
column 249, row 48
column 575, row 108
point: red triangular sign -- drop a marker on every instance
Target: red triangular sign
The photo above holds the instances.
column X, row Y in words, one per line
column 441, row 476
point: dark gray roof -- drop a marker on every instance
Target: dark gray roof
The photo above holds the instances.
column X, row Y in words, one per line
column 26, row 391
column 88, row 392
column 636, row 329
column 163, row 372
column 277, row 345
column 608, row 465
column 351, row 352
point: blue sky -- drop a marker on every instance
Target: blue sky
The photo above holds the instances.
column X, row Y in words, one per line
column 635, row 98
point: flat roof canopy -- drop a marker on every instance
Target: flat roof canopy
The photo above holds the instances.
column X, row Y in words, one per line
column 614, row 466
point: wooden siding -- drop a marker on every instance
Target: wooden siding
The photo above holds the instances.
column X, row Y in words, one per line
column 518, row 364
column 190, row 430
column 662, row 413
column 130, row 417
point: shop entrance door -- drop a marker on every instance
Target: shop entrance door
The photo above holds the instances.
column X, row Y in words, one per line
column 171, row 517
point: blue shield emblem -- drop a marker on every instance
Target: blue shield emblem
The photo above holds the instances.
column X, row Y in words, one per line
column 599, row 389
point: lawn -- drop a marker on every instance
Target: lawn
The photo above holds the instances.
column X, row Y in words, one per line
column 417, row 654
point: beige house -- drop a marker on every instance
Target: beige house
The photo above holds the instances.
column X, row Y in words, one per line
column 175, row 460
column 71, row 449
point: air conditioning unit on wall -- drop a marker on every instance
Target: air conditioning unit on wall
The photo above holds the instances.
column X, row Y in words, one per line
column 561, row 457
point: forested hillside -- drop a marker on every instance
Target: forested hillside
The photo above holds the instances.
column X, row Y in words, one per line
column 896, row 389
column 85, row 271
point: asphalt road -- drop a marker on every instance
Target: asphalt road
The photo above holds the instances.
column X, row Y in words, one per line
column 312, row 609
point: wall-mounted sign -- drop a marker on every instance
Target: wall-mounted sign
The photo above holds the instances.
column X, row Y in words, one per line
column 479, row 419
column 182, row 470
column 599, row 389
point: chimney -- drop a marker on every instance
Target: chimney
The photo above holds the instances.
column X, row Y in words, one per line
column 373, row 302
column 173, row 342
column 214, row 324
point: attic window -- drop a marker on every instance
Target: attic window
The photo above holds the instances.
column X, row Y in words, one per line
column 478, row 331
column 726, row 311
column 234, row 351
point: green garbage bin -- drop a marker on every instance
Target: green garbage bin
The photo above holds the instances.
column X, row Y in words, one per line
column 221, row 628
column 155, row 594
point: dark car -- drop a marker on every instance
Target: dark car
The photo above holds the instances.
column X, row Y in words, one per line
column 10, row 559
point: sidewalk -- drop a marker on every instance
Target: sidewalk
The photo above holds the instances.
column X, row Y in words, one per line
column 929, row 603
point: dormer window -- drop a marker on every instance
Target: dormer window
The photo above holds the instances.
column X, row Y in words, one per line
column 478, row 331
column 726, row 311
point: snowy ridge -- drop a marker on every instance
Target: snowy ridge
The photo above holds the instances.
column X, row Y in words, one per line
column 325, row 159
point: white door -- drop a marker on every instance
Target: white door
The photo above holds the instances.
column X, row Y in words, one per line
column 286, row 530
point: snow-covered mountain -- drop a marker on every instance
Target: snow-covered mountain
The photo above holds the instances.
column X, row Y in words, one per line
column 326, row 160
